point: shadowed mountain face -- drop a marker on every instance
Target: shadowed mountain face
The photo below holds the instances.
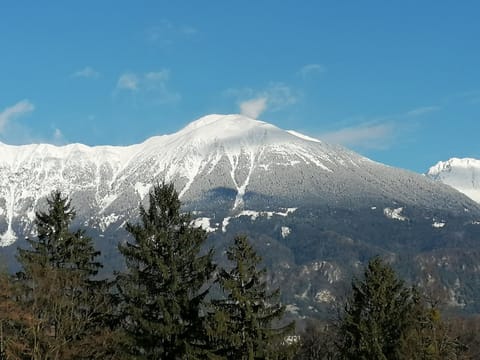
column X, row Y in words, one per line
column 315, row 211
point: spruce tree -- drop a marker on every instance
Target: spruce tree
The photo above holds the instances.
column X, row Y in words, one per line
column 56, row 246
column 166, row 281
column 57, row 284
column 242, row 325
column 378, row 315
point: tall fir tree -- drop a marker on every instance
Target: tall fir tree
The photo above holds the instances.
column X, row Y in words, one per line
column 378, row 315
column 56, row 246
column 386, row 320
column 166, row 281
column 242, row 325
column 57, row 284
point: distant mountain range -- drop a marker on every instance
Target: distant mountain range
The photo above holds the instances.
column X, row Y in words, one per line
column 316, row 212
column 461, row 174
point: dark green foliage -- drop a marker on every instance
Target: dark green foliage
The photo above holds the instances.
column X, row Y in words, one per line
column 377, row 315
column 384, row 319
column 56, row 246
column 166, row 281
column 242, row 325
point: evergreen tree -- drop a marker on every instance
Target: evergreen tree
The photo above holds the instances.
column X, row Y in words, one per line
column 377, row 316
column 58, row 286
column 384, row 319
column 56, row 246
column 166, row 282
column 242, row 324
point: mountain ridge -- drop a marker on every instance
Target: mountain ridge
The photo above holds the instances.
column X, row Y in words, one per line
column 313, row 210
column 463, row 174
column 255, row 159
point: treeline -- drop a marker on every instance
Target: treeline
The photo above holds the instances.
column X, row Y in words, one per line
column 173, row 302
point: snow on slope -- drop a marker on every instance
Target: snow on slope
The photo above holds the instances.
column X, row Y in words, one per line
column 461, row 174
column 101, row 175
column 218, row 163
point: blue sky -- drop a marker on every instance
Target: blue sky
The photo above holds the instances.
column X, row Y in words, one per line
column 396, row 81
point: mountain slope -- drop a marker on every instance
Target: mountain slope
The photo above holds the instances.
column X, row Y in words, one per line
column 314, row 211
column 215, row 152
column 461, row 174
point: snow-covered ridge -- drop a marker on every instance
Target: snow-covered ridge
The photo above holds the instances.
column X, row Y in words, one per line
column 214, row 151
column 461, row 174
column 218, row 163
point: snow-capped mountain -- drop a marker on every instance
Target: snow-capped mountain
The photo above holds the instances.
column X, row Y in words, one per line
column 314, row 211
column 461, row 174
column 239, row 161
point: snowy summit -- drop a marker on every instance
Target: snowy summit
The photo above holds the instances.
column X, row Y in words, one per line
column 461, row 174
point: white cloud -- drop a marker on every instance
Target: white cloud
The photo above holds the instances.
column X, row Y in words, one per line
column 367, row 135
column 7, row 115
column 128, row 81
column 254, row 107
column 86, row 72
column 422, row 110
column 153, row 85
column 310, row 69
column 279, row 95
column 274, row 97
column 166, row 33
column 161, row 75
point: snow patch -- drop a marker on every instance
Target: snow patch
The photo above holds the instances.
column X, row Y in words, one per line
column 108, row 220
column 204, row 223
column 252, row 213
column 285, row 231
column 438, row 224
column 256, row 214
column 302, row 136
column 395, row 214
column 225, row 223
column 8, row 238
column 142, row 189
column 31, row 215
column 324, row 296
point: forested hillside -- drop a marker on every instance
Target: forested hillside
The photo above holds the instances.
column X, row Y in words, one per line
column 173, row 301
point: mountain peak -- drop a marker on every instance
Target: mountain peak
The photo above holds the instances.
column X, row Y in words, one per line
column 217, row 125
column 452, row 163
column 462, row 174
column 219, row 119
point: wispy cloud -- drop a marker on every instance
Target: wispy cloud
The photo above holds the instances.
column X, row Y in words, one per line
column 57, row 137
column 365, row 135
column 378, row 133
column 154, row 84
column 10, row 113
column 274, row 97
column 128, row 81
column 165, row 33
column 253, row 108
column 87, row 72
column 422, row 110
column 311, row 69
